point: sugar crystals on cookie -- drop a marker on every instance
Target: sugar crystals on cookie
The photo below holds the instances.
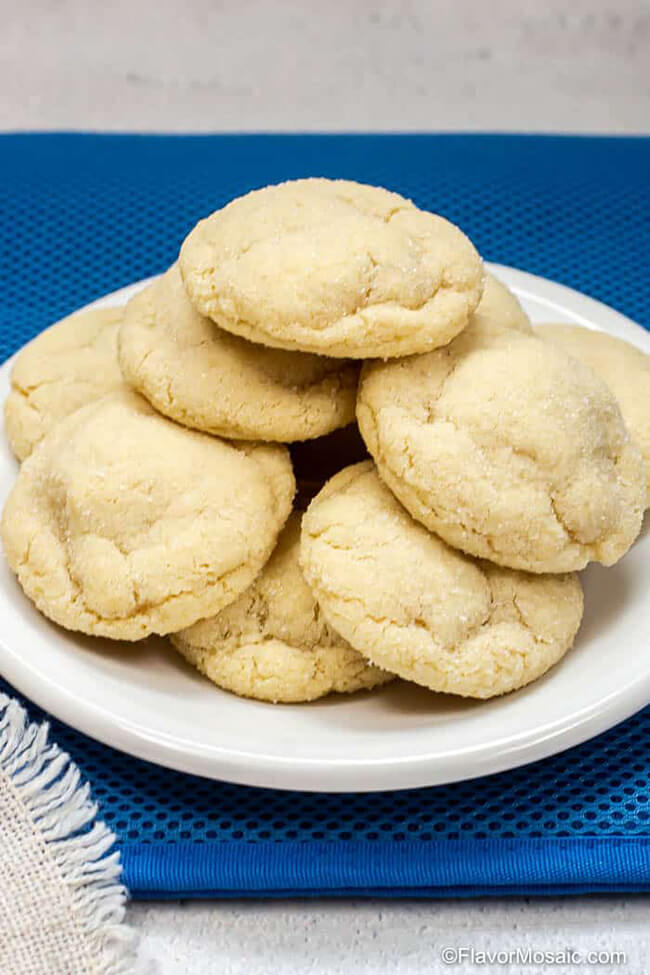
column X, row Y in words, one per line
column 122, row 523
column 413, row 605
column 332, row 267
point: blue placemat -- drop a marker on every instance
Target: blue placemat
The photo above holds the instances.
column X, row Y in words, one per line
column 83, row 215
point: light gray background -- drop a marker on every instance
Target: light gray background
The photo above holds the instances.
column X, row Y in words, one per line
column 541, row 65
column 325, row 64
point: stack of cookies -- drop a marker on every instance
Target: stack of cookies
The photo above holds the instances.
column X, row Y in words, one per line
column 454, row 468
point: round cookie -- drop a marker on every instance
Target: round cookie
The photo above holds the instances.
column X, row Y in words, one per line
column 622, row 367
column 122, row 523
column 272, row 643
column 413, row 605
column 507, row 448
column 332, row 267
column 206, row 378
column 71, row 363
column 499, row 310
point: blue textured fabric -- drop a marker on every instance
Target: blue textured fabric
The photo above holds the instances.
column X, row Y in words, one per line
column 83, row 215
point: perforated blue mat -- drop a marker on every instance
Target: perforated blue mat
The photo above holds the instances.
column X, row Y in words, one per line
column 83, row 215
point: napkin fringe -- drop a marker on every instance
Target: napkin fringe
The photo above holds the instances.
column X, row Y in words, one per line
column 48, row 784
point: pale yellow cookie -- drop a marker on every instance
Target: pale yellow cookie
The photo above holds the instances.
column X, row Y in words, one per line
column 414, row 606
column 507, row 448
column 623, row 367
column 332, row 267
column 122, row 523
column 206, row 378
column 499, row 310
column 273, row 643
column 68, row 365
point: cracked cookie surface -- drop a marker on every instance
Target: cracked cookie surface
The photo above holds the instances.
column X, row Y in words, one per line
column 202, row 376
column 70, row 364
column 507, row 448
column 122, row 523
column 273, row 644
column 332, row 267
column 424, row 611
column 622, row 367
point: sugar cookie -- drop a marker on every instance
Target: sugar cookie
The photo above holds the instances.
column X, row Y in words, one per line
column 499, row 310
column 332, row 267
column 423, row 610
column 622, row 367
column 206, row 378
column 507, row 448
column 273, row 643
column 122, row 523
column 68, row 365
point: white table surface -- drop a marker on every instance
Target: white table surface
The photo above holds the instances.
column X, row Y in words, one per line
column 374, row 938
column 204, row 65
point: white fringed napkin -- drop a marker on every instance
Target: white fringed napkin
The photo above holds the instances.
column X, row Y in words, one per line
column 61, row 900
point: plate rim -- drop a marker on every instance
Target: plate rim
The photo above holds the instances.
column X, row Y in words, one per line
column 216, row 762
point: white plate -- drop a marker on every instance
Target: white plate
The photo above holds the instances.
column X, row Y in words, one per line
column 143, row 699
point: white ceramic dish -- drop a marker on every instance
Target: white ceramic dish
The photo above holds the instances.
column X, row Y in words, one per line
column 144, row 700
